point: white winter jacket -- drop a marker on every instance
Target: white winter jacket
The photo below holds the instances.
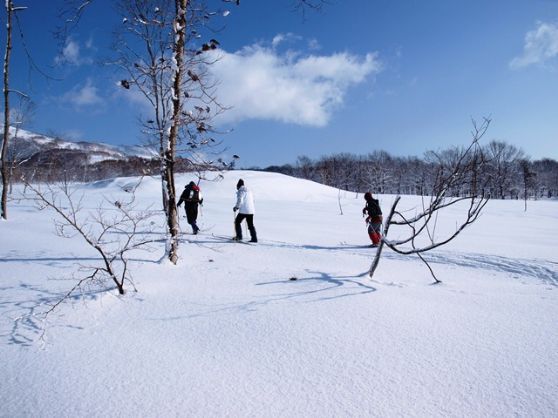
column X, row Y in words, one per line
column 245, row 201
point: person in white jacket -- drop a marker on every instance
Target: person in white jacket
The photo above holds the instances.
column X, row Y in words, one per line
column 245, row 207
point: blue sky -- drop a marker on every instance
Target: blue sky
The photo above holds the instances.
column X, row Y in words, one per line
column 405, row 76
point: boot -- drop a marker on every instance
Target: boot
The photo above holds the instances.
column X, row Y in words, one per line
column 253, row 236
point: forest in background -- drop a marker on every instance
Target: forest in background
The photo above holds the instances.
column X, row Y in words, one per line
column 505, row 172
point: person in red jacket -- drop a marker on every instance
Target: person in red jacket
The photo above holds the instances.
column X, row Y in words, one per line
column 374, row 218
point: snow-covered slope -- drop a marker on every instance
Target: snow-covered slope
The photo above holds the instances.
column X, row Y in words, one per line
column 227, row 333
column 24, row 144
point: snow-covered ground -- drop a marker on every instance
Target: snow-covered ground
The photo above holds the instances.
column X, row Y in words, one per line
column 226, row 333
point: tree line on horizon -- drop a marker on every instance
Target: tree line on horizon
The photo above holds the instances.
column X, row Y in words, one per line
column 507, row 172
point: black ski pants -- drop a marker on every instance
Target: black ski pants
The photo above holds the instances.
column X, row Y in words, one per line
column 192, row 214
column 250, row 220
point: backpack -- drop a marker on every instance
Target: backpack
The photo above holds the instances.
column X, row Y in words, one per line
column 194, row 195
column 374, row 208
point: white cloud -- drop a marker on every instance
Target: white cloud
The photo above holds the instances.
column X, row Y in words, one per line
column 71, row 54
column 82, row 96
column 260, row 83
column 541, row 45
column 284, row 37
column 314, row 45
column 277, row 39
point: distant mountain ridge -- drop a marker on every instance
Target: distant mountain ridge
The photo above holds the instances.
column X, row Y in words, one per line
column 33, row 156
column 24, row 144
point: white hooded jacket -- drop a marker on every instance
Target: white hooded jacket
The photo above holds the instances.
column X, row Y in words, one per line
column 245, row 201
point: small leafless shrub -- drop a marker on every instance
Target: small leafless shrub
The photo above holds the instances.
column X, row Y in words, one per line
column 114, row 229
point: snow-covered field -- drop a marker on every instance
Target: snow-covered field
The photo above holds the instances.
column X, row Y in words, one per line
column 226, row 333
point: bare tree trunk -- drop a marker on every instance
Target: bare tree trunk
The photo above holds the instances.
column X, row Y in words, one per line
column 12, row 165
column 376, row 260
column 4, row 162
column 178, row 55
column 163, row 70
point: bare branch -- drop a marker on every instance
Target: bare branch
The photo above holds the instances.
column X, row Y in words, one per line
column 457, row 170
column 71, row 14
column 112, row 231
column 72, row 290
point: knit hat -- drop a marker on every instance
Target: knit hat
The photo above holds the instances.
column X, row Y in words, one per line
column 240, row 184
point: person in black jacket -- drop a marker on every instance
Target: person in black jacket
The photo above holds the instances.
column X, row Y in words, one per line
column 374, row 218
column 191, row 196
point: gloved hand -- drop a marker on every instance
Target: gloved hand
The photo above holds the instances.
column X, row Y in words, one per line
column 201, row 202
column 235, row 208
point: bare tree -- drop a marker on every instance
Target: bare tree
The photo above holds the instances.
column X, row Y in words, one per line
column 113, row 230
column 178, row 73
column 461, row 172
column 378, row 171
column 306, row 168
column 528, row 177
column 5, row 169
column 169, row 67
column 546, row 177
column 159, row 49
column 503, row 158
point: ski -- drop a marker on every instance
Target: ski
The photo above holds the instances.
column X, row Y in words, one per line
column 232, row 239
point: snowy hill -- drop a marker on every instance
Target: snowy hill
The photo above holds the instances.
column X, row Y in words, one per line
column 26, row 144
column 227, row 333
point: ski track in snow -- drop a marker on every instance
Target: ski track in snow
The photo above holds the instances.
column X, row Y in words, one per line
column 544, row 270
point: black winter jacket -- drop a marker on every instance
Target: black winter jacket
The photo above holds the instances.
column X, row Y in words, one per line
column 373, row 209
